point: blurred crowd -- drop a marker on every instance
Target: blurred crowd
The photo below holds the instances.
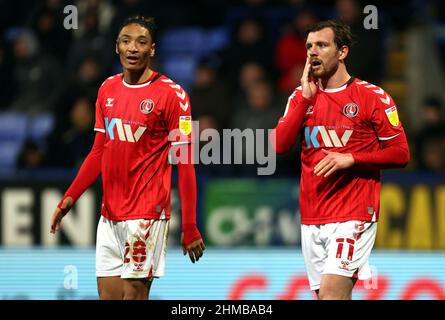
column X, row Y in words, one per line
column 238, row 60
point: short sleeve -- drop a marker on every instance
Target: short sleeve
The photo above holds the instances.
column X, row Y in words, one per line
column 99, row 118
column 385, row 117
column 178, row 116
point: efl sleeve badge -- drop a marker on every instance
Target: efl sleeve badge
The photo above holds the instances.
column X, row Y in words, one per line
column 392, row 115
column 185, row 125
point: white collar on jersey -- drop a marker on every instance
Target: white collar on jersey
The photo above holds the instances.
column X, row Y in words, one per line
column 343, row 87
column 135, row 85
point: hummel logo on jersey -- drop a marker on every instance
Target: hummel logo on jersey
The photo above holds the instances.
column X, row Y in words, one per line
column 110, row 102
column 124, row 131
column 328, row 137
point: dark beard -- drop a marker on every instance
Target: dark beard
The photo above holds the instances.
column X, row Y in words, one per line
column 326, row 74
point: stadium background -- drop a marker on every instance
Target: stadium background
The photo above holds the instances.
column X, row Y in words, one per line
column 238, row 60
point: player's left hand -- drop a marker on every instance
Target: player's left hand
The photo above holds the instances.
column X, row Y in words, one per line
column 332, row 162
column 195, row 249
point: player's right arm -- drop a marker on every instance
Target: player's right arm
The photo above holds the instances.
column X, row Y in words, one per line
column 285, row 134
column 88, row 173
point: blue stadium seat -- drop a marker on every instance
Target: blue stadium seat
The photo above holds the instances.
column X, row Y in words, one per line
column 13, row 126
column 40, row 126
column 182, row 41
column 216, row 39
column 193, row 41
column 9, row 150
column 181, row 49
column 181, row 68
column 13, row 130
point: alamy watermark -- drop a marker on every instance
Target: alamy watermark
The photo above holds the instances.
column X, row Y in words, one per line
column 232, row 146
column 371, row 21
column 373, row 282
column 70, row 281
column 71, row 21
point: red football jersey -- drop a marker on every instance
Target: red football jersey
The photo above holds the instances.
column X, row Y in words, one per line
column 137, row 120
column 352, row 118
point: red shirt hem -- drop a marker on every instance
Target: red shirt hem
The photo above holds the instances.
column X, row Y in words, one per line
column 135, row 217
column 335, row 220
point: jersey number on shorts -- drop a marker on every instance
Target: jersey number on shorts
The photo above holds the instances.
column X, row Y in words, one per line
column 127, row 250
column 341, row 242
column 139, row 252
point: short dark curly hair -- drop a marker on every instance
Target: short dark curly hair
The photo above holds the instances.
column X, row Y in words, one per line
column 146, row 22
column 342, row 32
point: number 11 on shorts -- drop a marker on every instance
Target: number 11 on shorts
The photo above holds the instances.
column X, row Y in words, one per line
column 341, row 242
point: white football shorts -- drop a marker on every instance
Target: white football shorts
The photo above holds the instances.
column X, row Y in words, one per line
column 341, row 248
column 132, row 249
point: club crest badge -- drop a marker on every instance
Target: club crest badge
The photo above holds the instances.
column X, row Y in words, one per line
column 350, row 110
column 146, row 106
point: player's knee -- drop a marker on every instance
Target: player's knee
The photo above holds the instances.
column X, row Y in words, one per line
column 110, row 288
column 332, row 294
column 136, row 290
column 135, row 295
column 109, row 295
column 335, row 287
column 131, row 295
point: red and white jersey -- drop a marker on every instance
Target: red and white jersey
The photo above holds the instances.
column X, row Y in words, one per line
column 353, row 118
column 137, row 120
